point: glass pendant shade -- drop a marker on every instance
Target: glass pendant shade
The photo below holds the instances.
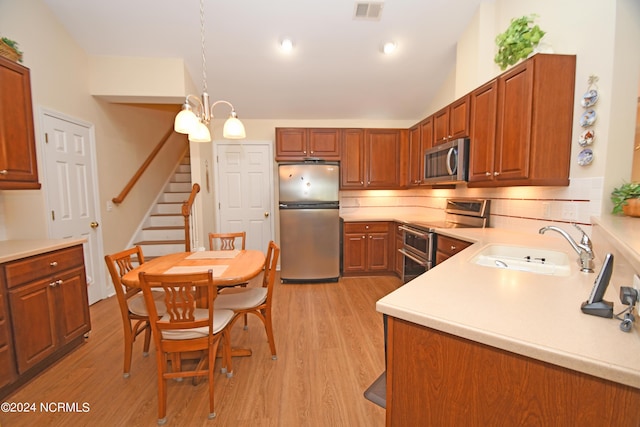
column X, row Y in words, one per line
column 185, row 121
column 200, row 133
column 233, row 129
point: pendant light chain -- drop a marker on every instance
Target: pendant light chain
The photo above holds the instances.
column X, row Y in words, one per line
column 204, row 59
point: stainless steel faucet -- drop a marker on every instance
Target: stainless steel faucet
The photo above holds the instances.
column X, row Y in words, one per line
column 584, row 248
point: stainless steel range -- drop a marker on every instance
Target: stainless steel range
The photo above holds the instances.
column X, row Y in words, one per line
column 419, row 238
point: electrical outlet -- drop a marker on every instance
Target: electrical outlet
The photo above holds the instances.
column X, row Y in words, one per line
column 546, row 210
column 570, row 212
column 109, row 205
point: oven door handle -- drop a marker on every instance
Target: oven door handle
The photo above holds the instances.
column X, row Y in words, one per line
column 413, row 258
column 414, row 232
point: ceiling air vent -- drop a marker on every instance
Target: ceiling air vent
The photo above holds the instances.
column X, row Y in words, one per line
column 369, row 11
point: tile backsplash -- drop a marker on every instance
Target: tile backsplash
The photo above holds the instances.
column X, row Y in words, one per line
column 516, row 208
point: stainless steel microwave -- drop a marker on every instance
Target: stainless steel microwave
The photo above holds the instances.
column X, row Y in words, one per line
column 447, row 163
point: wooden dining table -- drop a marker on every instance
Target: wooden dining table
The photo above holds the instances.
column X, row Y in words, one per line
column 231, row 267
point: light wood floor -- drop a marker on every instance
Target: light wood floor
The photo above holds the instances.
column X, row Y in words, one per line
column 329, row 340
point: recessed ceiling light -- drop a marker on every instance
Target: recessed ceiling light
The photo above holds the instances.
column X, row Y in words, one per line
column 286, row 45
column 389, row 47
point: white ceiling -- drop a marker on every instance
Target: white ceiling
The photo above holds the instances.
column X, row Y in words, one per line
column 336, row 70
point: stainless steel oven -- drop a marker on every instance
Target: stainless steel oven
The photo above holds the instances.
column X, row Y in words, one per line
column 418, row 251
column 419, row 238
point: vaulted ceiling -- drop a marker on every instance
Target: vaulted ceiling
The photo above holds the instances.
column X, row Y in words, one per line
column 336, row 69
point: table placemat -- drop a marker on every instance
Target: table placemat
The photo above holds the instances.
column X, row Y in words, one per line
column 182, row 269
column 213, row 255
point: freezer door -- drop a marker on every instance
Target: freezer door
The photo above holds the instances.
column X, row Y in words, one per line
column 309, row 245
column 308, row 183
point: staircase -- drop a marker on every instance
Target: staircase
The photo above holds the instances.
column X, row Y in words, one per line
column 162, row 231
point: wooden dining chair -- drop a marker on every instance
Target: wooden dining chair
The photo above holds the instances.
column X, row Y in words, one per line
column 255, row 300
column 135, row 317
column 186, row 328
column 227, row 241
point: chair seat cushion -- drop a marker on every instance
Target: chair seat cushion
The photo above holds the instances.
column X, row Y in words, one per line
column 241, row 298
column 220, row 319
column 137, row 305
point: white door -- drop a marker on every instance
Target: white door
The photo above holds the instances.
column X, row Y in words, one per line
column 70, row 185
column 244, row 190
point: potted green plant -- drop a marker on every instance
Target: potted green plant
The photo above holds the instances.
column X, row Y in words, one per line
column 9, row 49
column 626, row 199
column 518, row 41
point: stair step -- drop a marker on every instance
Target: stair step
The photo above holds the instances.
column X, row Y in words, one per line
column 160, row 242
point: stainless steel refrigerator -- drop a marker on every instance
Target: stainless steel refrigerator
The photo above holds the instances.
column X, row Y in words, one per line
column 309, row 222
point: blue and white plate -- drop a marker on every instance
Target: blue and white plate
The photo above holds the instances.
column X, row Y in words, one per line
column 585, row 157
column 587, row 118
column 589, row 98
column 586, row 137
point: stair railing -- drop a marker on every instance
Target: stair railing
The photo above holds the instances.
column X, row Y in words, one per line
column 120, row 198
column 186, row 213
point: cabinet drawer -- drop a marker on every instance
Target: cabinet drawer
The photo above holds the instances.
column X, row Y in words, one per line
column 451, row 246
column 366, row 227
column 48, row 264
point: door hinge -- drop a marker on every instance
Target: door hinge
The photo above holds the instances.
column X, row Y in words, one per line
column 46, row 138
column 53, row 215
column 219, row 206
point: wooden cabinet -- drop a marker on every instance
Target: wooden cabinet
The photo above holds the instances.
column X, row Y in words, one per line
column 371, row 159
column 415, row 156
column 452, row 121
column 18, row 167
column 366, row 248
column 420, row 139
column 444, row 380
column 8, row 372
column 47, row 299
column 397, row 256
column 533, row 104
column 448, row 247
column 301, row 143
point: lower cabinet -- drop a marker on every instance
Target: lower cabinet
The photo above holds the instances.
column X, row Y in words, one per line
column 366, row 248
column 448, row 247
column 48, row 302
column 444, row 380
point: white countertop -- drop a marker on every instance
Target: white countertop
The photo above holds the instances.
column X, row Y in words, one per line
column 530, row 314
column 11, row 250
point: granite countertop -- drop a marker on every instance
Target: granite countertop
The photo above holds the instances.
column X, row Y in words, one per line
column 11, row 250
column 530, row 314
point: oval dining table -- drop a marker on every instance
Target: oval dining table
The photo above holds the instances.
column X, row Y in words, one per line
column 231, row 267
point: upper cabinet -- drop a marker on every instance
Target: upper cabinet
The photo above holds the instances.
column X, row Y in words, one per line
column 372, row 159
column 521, row 125
column 420, row 139
column 18, row 167
column 300, row 143
column 451, row 122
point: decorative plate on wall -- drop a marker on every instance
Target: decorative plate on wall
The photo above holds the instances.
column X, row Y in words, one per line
column 589, row 98
column 586, row 137
column 585, row 157
column 587, row 118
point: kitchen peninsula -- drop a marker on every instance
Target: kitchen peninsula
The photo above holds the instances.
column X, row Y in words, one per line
column 475, row 345
column 44, row 309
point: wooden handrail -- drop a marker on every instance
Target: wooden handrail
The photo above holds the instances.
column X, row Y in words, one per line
column 145, row 165
column 186, row 213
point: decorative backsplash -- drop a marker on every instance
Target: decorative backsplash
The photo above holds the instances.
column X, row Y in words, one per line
column 515, row 208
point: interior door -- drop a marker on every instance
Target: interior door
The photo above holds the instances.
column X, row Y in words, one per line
column 244, row 190
column 71, row 193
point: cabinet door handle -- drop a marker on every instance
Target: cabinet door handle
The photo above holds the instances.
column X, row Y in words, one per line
column 496, row 173
column 4, row 172
column 311, row 151
column 56, row 283
column 53, row 264
column 487, row 173
column 453, row 248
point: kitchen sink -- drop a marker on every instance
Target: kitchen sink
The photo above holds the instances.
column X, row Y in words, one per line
column 523, row 258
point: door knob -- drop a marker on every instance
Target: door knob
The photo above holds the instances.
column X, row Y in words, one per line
column 266, row 214
column 94, row 224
